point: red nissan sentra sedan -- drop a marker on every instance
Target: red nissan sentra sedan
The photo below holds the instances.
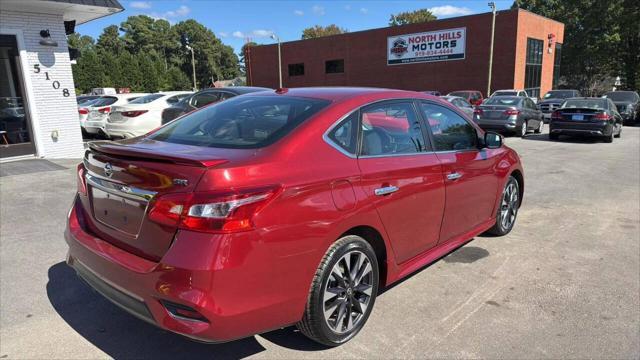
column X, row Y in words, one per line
column 286, row 207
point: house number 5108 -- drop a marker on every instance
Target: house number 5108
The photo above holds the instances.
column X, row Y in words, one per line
column 55, row 84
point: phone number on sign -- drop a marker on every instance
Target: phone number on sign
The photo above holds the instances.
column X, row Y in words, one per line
column 433, row 52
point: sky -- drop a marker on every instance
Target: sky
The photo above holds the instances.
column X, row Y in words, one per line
column 235, row 21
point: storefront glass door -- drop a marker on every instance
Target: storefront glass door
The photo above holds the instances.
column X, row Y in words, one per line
column 16, row 136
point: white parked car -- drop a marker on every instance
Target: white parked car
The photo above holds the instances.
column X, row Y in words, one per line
column 142, row 115
column 514, row 92
column 99, row 111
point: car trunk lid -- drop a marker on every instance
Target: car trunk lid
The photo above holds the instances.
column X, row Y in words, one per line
column 579, row 114
column 123, row 181
column 495, row 112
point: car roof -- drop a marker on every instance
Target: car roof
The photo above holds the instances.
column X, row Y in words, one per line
column 338, row 94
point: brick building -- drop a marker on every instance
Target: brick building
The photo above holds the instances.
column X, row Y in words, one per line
column 444, row 55
column 38, row 111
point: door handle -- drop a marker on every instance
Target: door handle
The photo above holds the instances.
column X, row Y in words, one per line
column 454, row 176
column 386, row 190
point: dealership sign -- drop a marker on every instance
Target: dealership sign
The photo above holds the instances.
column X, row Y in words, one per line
column 426, row 47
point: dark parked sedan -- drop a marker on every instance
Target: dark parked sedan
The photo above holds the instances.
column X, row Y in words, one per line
column 627, row 104
column 512, row 114
column 586, row 116
column 205, row 97
column 553, row 99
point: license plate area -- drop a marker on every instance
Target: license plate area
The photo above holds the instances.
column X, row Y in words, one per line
column 577, row 117
column 118, row 212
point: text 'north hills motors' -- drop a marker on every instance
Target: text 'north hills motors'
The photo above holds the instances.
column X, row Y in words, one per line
column 430, row 46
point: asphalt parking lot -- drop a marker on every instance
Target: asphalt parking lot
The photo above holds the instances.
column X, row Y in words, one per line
column 564, row 284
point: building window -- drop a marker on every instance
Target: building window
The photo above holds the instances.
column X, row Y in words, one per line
column 533, row 68
column 556, row 65
column 296, row 69
column 334, row 66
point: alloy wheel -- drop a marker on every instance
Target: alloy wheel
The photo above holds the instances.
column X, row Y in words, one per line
column 523, row 131
column 509, row 206
column 347, row 293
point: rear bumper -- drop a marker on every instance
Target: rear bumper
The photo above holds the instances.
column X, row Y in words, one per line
column 124, row 130
column 578, row 129
column 497, row 125
column 238, row 297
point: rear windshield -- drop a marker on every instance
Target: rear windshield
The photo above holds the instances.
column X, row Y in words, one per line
column 622, row 96
column 505, row 93
column 464, row 94
column 560, row 94
column 508, row 101
column 241, row 122
column 146, row 99
column 586, row 104
column 104, row 101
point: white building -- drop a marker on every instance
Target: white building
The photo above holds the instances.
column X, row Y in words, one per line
column 38, row 111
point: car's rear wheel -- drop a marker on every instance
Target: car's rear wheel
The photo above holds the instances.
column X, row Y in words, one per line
column 508, row 210
column 523, row 128
column 609, row 138
column 619, row 132
column 343, row 292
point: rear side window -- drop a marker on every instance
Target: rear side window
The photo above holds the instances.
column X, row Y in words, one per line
column 205, row 98
column 450, row 131
column 391, row 129
column 176, row 98
column 345, row 134
column 241, row 122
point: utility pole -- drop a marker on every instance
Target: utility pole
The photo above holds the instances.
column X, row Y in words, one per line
column 492, row 5
column 184, row 39
column 275, row 37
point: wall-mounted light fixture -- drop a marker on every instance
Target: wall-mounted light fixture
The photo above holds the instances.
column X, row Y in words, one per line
column 46, row 39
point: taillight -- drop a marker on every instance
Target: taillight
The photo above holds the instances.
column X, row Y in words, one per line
column 477, row 111
column 133, row 113
column 601, row 117
column 556, row 115
column 511, row 112
column 82, row 184
column 83, row 111
column 211, row 212
column 105, row 110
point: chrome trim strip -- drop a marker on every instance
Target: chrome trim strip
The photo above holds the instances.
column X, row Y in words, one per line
column 129, row 192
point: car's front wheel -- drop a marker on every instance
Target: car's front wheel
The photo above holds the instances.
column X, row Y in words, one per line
column 508, row 210
column 343, row 292
column 524, row 128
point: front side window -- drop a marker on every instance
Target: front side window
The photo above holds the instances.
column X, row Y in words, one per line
column 450, row 131
column 391, row 129
column 241, row 122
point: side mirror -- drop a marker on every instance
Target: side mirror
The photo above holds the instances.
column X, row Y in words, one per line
column 492, row 140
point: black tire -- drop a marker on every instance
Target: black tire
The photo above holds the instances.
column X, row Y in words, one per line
column 609, row 139
column 313, row 323
column 500, row 228
column 553, row 136
column 523, row 129
column 540, row 127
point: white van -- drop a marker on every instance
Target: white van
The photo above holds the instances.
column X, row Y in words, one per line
column 103, row 91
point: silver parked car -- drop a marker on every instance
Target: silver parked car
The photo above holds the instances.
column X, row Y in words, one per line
column 460, row 103
column 512, row 114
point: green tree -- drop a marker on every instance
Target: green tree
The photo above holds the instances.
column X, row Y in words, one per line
column 411, row 17
column 80, row 42
column 320, row 31
column 601, row 40
column 88, row 72
column 110, row 40
column 213, row 60
column 242, row 55
column 176, row 79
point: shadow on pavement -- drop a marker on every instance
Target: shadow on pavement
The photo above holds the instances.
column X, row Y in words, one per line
column 564, row 138
column 121, row 335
